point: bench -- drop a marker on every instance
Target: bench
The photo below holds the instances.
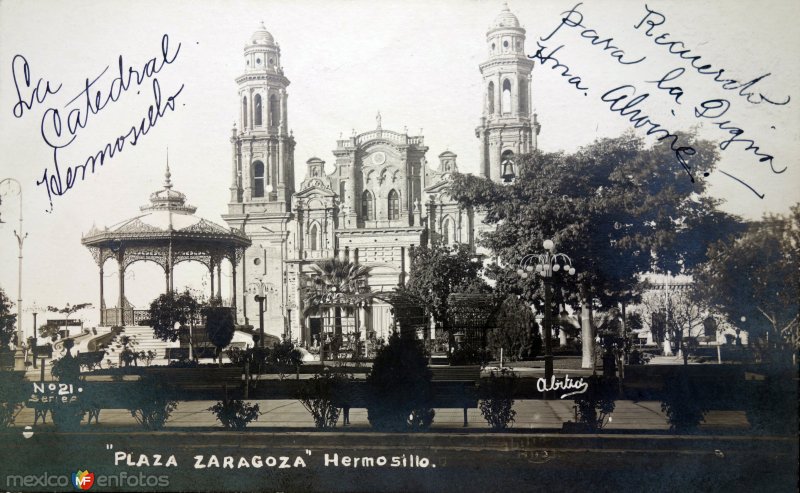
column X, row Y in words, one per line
column 454, row 387
column 461, row 374
column 91, row 359
column 194, row 380
column 179, row 353
column 311, row 369
column 182, row 353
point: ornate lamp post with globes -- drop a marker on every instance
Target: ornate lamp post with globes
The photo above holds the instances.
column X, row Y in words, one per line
column 544, row 265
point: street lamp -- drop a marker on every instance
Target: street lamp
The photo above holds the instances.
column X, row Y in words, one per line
column 545, row 264
column 738, row 331
column 19, row 357
column 261, row 298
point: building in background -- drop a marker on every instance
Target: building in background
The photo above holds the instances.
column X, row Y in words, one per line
column 381, row 200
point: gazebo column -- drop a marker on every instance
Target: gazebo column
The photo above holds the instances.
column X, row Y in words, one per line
column 233, row 290
column 121, row 302
column 166, row 280
column 102, row 315
column 170, row 265
column 211, row 272
column 219, row 280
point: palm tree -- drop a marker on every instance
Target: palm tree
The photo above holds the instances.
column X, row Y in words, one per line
column 336, row 282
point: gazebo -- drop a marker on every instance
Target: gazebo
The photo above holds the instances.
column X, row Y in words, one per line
column 167, row 232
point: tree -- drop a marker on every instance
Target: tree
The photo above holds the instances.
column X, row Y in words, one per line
column 8, row 321
column 438, row 271
column 68, row 310
column 756, row 277
column 49, row 331
column 170, row 309
column 515, row 332
column 615, row 207
column 399, row 386
column 676, row 316
column 219, row 325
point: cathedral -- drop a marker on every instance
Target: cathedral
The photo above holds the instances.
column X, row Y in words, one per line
column 382, row 198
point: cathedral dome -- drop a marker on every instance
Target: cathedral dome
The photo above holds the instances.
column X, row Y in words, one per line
column 262, row 36
column 506, row 18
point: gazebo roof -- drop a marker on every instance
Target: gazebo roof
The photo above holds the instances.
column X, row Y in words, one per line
column 166, row 218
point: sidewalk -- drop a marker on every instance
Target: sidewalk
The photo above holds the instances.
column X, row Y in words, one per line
column 531, row 414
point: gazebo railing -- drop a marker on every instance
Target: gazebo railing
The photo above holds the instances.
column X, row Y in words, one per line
column 110, row 317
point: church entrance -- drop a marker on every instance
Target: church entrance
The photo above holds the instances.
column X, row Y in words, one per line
column 315, row 326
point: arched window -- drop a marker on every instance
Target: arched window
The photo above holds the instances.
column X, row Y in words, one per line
column 446, row 231
column 523, row 97
column 257, row 109
column 274, row 111
column 490, row 98
column 244, row 112
column 258, row 179
column 505, row 100
column 367, row 206
column 394, row 205
column 314, row 237
column 342, row 190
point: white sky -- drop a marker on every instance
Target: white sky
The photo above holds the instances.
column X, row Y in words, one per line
column 416, row 62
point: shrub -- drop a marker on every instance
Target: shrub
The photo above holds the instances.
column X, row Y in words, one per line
column 468, row 355
column 497, row 399
column 238, row 356
column 682, row 403
column 151, row 403
column 284, row 358
column 318, row 395
column 597, row 403
column 770, row 407
column 14, row 389
column 147, row 357
column 399, row 387
column 68, row 417
column 66, row 369
column 235, row 413
column 182, row 363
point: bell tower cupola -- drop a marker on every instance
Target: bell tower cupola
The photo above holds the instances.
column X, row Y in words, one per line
column 508, row 126
column 263, row 147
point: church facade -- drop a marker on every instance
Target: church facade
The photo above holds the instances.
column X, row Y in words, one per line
column 382, row 198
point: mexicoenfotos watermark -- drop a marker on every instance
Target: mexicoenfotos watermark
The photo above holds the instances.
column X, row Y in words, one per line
column 84, row 480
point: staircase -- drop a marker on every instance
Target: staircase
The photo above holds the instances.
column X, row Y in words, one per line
column 146, row 341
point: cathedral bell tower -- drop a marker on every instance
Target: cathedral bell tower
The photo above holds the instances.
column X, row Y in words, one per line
column 263, row 149
column 262, row 182
column 508, row 126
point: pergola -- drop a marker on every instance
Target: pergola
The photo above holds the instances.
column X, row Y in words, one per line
column 409, row 312
column 470, row 316
column 167, row 233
